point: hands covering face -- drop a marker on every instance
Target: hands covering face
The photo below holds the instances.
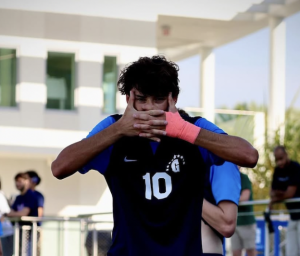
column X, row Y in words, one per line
column 150, row 124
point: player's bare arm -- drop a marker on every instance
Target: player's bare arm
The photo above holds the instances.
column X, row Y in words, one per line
column 24, row 212
column 230, row 148
column 222, row 217
column 75, row 156
column 289, row 193
column 245, row 195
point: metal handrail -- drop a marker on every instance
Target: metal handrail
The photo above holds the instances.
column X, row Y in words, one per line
column 267, row 201
column 58, row 219
column 244, row 203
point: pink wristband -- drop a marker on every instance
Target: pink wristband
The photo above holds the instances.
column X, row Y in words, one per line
column 178, row 128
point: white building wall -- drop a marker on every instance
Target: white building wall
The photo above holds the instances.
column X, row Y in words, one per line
column 31, row 135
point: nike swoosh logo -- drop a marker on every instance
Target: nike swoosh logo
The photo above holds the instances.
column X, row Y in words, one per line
column 129, row 160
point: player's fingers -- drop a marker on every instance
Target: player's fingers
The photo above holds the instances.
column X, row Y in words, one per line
column 141, row 126
column 131, row 99
column 142, row 116
column 145, row 134
column 155, row 139
column 150, row 136
column 158, row 132
column 155, row 112
column 158, row 122
column 172, row 103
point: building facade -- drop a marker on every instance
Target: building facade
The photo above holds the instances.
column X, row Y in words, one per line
column 58, row 75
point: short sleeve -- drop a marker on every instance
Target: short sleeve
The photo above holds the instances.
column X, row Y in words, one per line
column 295, row 175
column 225, row 182
column 274, row 184
column 40, row 200
column 208, row 157
column 101, row 161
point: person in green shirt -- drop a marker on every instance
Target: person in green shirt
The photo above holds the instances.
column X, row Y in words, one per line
column 245, row 232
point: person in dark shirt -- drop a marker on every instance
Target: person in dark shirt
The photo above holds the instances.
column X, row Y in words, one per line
column 35, row 180
column 285, row 185
column 154, row 161
column 25, row 204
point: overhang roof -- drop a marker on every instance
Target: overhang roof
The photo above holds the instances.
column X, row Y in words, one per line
column 137, row 9
column 183, row 27
column 182, row 37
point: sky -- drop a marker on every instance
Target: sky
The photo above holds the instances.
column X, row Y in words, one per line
column 242, row 70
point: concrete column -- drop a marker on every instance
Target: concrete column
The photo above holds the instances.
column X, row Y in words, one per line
column 31, row 93
column 89, row 94
column 259, row 134
column 276, row 108
column 207, row 92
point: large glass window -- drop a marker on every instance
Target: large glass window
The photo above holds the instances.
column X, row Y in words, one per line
column 60, row 80
column 8, row 77
column 110, row 74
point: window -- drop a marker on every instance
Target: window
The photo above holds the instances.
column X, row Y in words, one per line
column 8, row 77
column 60, row 80
column 109, row 85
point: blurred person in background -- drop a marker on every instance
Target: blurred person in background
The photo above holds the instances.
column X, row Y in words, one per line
column 245, row 233
column 35, row 180
column 220, row 205
column 25, row 204
column 7, row 229
column 285, row 185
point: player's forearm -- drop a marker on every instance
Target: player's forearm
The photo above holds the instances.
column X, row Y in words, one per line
column 280, row 197
column 216, row 217
column 24, row 212
column 75, row 156
column 230, row 148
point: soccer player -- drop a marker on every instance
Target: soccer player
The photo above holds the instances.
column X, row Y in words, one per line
column 154, row 162
column 219, row 215
column 286, row 184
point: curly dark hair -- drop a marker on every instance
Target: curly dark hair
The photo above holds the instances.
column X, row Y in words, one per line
column 153, row 76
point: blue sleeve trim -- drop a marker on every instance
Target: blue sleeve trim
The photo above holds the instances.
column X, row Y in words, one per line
column 101, row 161
column 226, row 182
column 108, row 121
column 208, row 157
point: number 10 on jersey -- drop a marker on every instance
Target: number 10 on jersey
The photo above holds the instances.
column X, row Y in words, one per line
column 155, row 185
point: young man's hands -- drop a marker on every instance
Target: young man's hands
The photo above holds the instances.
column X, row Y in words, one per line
column 150, row 124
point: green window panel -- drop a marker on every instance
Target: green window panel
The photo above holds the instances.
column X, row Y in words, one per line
column 60, row 80
column 109, row 85
column 8, row 77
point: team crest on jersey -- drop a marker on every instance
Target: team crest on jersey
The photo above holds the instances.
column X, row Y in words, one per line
column 175, row 163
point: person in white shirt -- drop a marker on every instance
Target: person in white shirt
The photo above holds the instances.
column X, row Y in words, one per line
column 6, row 226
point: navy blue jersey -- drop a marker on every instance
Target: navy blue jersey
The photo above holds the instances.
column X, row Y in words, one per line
column 27, row 200
column 157, row 191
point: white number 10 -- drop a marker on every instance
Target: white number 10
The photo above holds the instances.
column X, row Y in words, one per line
column 155, row 185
